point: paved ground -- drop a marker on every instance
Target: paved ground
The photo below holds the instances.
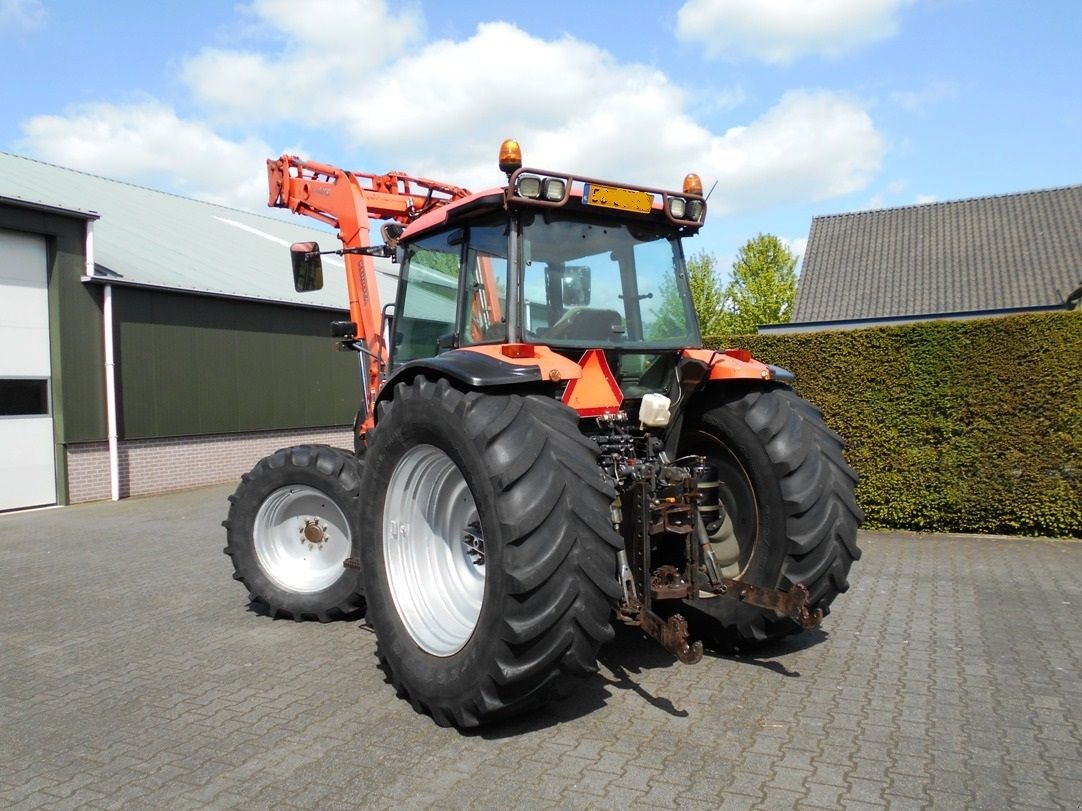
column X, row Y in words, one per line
column 132, row 675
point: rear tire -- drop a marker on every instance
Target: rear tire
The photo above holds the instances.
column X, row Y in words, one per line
column 291, row 525
column 791, row 513
column 490, row 559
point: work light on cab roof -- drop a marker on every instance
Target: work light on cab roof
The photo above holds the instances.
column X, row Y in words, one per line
column 547, row 189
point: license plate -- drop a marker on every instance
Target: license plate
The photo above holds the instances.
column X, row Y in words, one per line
column 623, row 199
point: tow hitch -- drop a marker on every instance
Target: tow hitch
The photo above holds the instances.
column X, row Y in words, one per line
column 792, row 603
column 672, row 633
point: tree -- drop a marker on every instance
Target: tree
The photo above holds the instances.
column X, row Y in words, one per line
column 707, row 293
column 668, row 319
column 762, row 287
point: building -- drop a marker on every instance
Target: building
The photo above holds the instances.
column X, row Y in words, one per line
column 150, row 342
column 960, row 259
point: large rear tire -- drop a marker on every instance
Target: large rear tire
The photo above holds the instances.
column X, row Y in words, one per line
column 490, row 559
column 788, row 495
column 291, row 526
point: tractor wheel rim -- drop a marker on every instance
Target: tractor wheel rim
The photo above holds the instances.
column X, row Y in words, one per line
column 301, row 538
column 726, row 548
column 434, row 550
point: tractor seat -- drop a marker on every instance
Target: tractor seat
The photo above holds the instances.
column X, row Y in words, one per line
column 585, row 324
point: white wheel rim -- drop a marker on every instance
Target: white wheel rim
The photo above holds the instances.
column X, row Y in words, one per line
column 301, row 539
column 433, row 548
column 726, row 548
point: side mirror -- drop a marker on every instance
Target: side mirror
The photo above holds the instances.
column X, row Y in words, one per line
column 307, row 266
column 575, row 286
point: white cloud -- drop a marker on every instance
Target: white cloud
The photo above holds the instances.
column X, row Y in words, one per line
column 797, row 246
column 779, row 31
column 568, row 102
column 930, row 94
column 572, row 105
column 441, row 109
column 810, row 146
column 331, row 47
column 22, row 15
column 148, row 142
column 922, row 199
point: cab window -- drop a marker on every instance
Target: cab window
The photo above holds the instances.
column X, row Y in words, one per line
column 427, row 297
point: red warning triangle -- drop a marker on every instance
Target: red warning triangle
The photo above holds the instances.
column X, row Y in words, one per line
column 596, row 392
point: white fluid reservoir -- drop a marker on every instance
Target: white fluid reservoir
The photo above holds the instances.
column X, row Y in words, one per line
column 654, row 411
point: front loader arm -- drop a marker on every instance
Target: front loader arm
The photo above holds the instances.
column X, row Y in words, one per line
column 347, row 201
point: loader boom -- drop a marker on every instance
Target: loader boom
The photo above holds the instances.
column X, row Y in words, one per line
column 347, row 201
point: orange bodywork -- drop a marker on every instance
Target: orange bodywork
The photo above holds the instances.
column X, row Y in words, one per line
column 553, row 367
column 730, row 364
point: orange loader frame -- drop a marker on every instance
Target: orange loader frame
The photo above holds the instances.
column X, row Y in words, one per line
column 346, row 201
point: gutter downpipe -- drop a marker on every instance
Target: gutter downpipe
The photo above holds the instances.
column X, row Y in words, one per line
column 110, row 370
column 110, row 395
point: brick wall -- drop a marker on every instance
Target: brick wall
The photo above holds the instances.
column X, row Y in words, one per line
column 88, row 471
column 160, row 465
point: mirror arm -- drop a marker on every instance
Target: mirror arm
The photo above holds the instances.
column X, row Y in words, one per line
column 386, row 251
column 371, row 250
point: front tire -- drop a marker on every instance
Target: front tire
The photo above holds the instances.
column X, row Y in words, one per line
column 490, row 560
column 291, row 526
column 788, row 496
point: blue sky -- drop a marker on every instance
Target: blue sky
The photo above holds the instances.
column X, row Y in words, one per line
column 795, row 107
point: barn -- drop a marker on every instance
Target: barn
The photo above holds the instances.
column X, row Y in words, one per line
column 150, row 342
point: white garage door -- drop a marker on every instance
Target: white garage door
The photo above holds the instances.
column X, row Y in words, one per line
column 27, row 470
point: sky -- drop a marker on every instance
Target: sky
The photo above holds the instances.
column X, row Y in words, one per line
column 788, row 109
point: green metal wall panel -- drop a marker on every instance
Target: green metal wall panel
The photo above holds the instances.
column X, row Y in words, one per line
column 75, row 322
column 191, row 365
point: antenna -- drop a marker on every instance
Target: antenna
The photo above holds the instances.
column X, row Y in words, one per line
column 711, row 190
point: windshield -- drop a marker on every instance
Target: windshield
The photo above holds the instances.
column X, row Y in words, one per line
column 603, row 283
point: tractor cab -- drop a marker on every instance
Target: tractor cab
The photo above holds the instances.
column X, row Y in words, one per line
column 554, row 260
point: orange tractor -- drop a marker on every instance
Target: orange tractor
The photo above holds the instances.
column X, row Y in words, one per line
column 543, row 445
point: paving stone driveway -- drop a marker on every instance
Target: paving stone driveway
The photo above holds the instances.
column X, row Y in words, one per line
column 133, row 675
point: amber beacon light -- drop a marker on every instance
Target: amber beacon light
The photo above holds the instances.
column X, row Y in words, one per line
column 510, row 156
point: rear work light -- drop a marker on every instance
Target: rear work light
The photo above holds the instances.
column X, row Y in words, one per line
column 681, row 208
column 553, row 189
column 548, row 189
column 529, row 186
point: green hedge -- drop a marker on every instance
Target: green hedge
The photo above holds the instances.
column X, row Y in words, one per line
column 959, row 426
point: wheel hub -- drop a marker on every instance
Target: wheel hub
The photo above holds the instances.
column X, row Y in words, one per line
column 313, row 531
column 474, row 544
column 301, row 538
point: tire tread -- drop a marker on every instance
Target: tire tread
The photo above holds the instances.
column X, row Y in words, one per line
column 552, row 505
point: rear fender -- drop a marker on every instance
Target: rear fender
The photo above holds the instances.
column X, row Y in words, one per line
column 489, row 366
column 732, row 369
column 735, row 364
